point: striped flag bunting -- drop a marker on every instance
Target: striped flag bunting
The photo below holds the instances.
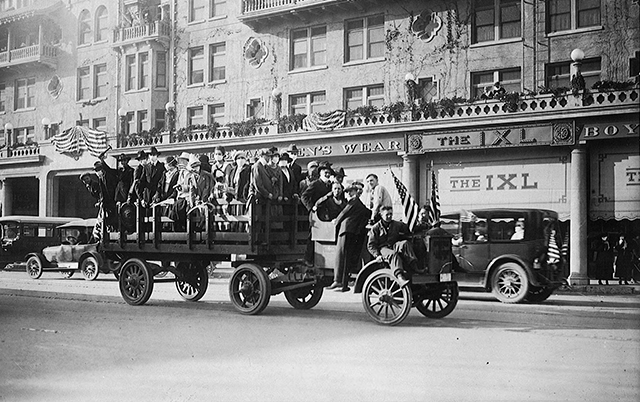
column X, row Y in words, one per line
column 434, row 201
column 553, row 252
column 409, row 205
column 78, row 139
column 324, row 121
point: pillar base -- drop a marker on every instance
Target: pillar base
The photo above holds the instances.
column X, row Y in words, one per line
column 578, row 279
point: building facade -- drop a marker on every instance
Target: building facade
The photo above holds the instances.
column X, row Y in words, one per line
column 414, row 78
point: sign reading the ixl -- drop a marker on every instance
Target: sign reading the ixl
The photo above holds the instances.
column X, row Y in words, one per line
column 488, row 138
column 490, row 182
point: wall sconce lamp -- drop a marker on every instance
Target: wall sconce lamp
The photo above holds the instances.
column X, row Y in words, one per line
column 577, row 80
column 276, row 94
column 8, row 128
column 46, row 124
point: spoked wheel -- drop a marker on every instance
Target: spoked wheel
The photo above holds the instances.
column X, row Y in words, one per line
column 437, row 300
column 304, row 298
column 538, row 294
column 34, row 267
column 66, row 274
column 509, row 283
column 136, row 282
column 193, row 281
column 89, row 267
column 384, row 300
column 249, row 289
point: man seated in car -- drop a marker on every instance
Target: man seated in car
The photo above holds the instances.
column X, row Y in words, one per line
column 390, row 240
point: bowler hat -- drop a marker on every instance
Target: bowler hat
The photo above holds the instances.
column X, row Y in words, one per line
column 153, row 151
column 141, row 155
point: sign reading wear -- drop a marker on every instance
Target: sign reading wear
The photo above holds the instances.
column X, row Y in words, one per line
column 543, row 183
column 615, row 185
column 343, row 147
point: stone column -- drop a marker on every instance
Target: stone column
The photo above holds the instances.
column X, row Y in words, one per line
column 7, row 198
column 579, row 216
column 410, row 174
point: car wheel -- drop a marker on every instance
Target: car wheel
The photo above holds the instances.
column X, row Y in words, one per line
column 384, row 300
column 249, row 289
column 34, row 267
column 136, row 282
column 193, row 281
column 304, row 298
column 89, row 268
column 438, row 300
column 510, row 283
column 538, row 294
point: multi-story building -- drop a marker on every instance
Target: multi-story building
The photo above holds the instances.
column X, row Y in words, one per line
column 412, row 77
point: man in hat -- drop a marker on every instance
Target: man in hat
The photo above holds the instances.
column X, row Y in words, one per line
column 289, row 185
column 125, row 178
column 311, row 175
column 338, row 175
column 318, row 188
column 169, row 179
column 351, row 226
column 204, row 182
column 184, row 191
column 107, row 182
column 155, row 171
column 295, row 168
column 239, row 177
column 136, row 192
column 264, row 184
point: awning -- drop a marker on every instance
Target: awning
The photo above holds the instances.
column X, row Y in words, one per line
column 41, row 7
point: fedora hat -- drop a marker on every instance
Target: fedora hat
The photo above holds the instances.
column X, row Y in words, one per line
column 153, row 151
column 97, row 166
column 340, row 172
column 141, row 155
column 184, row 155
column 171, row 161
column 292, row 149
column 123, row 158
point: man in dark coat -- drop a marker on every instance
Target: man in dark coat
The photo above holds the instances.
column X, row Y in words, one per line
column 318, row 188
column 107, row 182
column 289, row 185
column 125, row 178
column 295, row 168
column 155, row 172
column 389, row 240
column 351, row 227
column 136, row 192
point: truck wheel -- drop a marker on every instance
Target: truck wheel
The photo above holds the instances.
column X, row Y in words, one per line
column 438, row 300
column 304, row 298
column 509, row 283
column 193, row 281
column 136, row 282
column 249, row 289
column 384, row 300
column 34, row 267
column 89, row 268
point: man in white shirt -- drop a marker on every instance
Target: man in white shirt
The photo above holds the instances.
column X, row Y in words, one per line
column 375, row 197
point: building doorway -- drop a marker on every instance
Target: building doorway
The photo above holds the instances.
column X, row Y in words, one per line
column 74, row 199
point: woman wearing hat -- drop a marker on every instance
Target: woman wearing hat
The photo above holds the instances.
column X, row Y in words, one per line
column 239, row 177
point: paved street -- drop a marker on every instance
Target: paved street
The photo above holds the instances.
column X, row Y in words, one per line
column 72, row 340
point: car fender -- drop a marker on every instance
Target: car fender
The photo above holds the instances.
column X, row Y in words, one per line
column 364, row 273
column 95, row 255
column 496, row 262
column 45, row 263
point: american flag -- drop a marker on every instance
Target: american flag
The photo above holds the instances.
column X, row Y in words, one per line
column 434, row 202
column 324, row 121
column 76, row 140
column 409, row 205
column 553, row 252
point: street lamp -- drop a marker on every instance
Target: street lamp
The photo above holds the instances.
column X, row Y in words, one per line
column 8, row 128
column 577, row 80
column 276, row 94
column 170, row 108
column 46, row 123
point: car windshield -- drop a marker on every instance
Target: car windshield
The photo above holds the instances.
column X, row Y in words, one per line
column 10, row 231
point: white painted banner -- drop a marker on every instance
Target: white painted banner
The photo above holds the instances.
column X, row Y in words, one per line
column 615, row 186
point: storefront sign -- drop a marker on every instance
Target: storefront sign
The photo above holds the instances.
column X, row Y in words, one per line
column 615, row 184
column 606, row 131
column 343, row 147
column 502, row 137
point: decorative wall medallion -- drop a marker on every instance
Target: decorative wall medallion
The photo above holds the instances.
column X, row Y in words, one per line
column 255, row 52
column 426, row 25
column 563, row 134
column 415, row 142
column 54, row 87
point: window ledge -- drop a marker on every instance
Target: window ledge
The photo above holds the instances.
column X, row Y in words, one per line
column 495, row 42
column 574, row 31
column 216, row 82
column 134, row 91
column 217, row 18
column 196, row 22
column 161, row 89
column 365, row 61
column 25, row 109
column 83, row 45
column 308, row 69
column 196, row 85
column 101, row 41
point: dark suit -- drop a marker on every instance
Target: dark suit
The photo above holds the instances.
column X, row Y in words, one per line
column 139, row 183
column 108, row 183
column 316, row 190
column 168, row 189
column 153, row 190
column 391, row 241
column 125, row 178
column 240, row 186
column 297, row 173
column 351, row 226
column 289, row 185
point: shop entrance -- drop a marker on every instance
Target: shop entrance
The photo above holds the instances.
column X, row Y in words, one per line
column 74, row 199
column 24, row 196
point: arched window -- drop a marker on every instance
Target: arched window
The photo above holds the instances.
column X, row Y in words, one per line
column 84, row 28
column 102, row 18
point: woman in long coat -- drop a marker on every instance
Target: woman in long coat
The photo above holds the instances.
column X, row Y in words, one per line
column 624, row 260
column 603, row 258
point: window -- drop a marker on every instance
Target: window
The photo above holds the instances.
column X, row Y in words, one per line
column 100, row 81
column 24, row 93
column 84, row 28
column 255, row 108
column 160, row 119
column 102, row 24
column 24, row 135
column 427, row 89
column 218, row 8
column 143, row 121
column 143, row 66
column 130, row 63
column 559, row 74
column 508, row 228
column 565, row 15
column 634, row 70
column 510, row 79
column 216, row 113
column 308, row 103
column 100, row 123
column 496, row 19
column 197, row 10
column 218, row 62
column 3, row 94
column 194, row 116
column 161, row 69
column 84, row 83
column 54, row 129
column 3, row 140
column 308, row 47
column 365, row 38
column 196, row 65
column 364, row 96
column 129, row 122
column 82, row 123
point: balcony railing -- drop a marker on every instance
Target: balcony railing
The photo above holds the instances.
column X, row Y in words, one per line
column 45, row 54
column 22, row 151
column 157, row 30
column 260, row 11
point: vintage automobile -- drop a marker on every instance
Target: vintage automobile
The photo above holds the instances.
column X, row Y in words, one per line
column 506, row 251
column 76, row 253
